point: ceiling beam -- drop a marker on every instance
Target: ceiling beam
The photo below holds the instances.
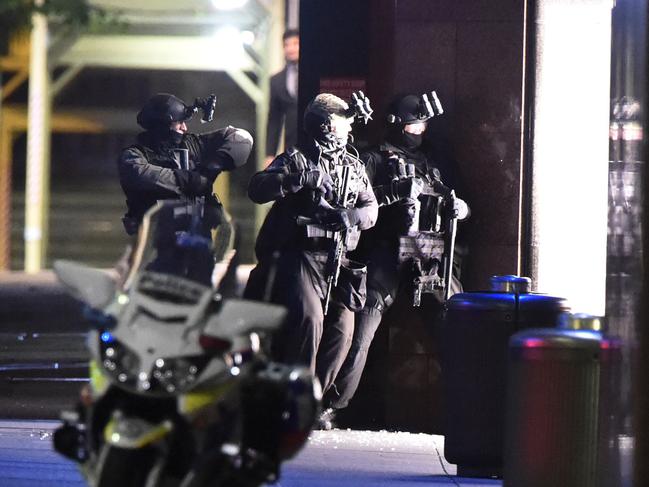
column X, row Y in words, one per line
column 14, row 83
column 85, row 120
column 156, row 52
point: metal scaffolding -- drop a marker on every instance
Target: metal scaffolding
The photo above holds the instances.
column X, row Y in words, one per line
column 160, row 35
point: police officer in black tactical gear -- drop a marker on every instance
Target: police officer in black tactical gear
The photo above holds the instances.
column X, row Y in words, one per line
column 320, row 192
column 399, row 170
column 167, row 162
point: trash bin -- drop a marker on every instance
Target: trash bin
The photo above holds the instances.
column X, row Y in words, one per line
column 561, row 406
column 475, row 335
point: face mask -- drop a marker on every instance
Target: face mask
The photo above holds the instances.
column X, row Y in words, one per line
column 175, row 137
column 411, row 141
column 166, row 135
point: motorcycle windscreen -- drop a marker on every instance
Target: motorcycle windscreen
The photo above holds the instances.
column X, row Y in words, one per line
column 183, row 239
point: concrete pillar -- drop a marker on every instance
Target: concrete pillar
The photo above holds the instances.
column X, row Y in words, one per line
column 5, row 190
column 38, row 150
column 570, row 151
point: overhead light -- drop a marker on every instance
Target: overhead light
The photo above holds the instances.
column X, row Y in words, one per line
column 228, row 46
column 228, row 4
column 247, row 37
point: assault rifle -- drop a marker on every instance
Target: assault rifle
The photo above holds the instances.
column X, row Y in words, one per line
column 337, row 251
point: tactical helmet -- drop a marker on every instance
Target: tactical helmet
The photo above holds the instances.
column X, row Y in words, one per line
column 413, row 109
column 162, row 109
column 317, row 116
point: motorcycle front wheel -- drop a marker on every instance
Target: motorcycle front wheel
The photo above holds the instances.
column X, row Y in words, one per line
column 122, row 467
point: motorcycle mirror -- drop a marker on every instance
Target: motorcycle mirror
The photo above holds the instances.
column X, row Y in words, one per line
column 93, row 286
column 241, row 317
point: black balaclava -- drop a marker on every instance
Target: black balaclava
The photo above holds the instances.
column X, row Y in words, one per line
column 399, row 137
column 158, row 113
column 317, row 121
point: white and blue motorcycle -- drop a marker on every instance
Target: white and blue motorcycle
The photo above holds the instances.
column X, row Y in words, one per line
column 181, row 392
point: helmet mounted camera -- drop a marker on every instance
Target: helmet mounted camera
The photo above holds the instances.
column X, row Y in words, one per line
column 410, row 109
column 163, row 108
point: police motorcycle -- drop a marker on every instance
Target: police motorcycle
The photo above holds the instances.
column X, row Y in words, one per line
column 181, row 392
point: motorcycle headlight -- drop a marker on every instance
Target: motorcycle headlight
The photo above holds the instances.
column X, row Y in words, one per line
column 118, row 360
column 173, row 375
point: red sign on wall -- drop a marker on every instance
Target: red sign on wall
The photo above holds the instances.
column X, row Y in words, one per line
column 342, row 87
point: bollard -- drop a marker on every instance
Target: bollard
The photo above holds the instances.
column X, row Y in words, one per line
column 477, row 328
column 561, row 408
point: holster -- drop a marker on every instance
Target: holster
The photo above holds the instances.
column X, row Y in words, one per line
column 352, row 285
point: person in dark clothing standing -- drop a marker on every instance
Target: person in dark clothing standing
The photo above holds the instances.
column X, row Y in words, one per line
column 167, row 162
column 321, row 193
column 399, row 169
column 282, row 111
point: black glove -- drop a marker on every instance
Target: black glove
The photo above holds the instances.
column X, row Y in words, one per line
column 314, row 179
column 327, row 186
column 410, row 188
column 339, row 218
column 311, row 179
column 406, row 211
column 292, row 182
column 192, row 183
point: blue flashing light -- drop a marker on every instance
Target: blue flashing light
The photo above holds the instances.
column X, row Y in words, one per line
column 107, row 337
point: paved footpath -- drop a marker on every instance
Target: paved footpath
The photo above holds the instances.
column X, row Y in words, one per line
column 332, row 458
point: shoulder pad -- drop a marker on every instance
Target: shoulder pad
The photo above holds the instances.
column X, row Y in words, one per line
column 140, row 148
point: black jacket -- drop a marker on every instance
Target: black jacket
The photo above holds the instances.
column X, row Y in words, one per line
column 148, row 170
column 282, row 112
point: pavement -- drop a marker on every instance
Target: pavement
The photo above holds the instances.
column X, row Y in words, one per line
column 331, row 458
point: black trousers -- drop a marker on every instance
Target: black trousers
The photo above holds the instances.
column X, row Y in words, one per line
column 309, row 337
column 346, row 382
column 384, row 273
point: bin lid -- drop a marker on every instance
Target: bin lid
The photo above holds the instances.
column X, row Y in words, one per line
column 542, row 302
column 501, row 301
column 483, row 301
column 556, row 338
column 511, row 284
column 582, row 321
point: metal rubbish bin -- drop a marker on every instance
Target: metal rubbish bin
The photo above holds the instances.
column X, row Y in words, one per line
column 561, row 406
column 476, row 331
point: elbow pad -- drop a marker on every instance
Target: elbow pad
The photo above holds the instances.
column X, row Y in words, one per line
column 238, row 145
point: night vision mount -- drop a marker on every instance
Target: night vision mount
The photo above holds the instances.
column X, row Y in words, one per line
column 360, row 107
column 206, row 105
column 429, row 106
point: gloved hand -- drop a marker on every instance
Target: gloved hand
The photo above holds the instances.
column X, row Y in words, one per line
column 320, row 181
column 313, row 179
column 410, row 187
column 293, row 182
column 460, row 209
column 338, row 218
column 191, row 183
column 407, row 212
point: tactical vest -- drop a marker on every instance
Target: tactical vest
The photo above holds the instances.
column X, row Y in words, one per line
column 429, row 208
column 348, row 181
